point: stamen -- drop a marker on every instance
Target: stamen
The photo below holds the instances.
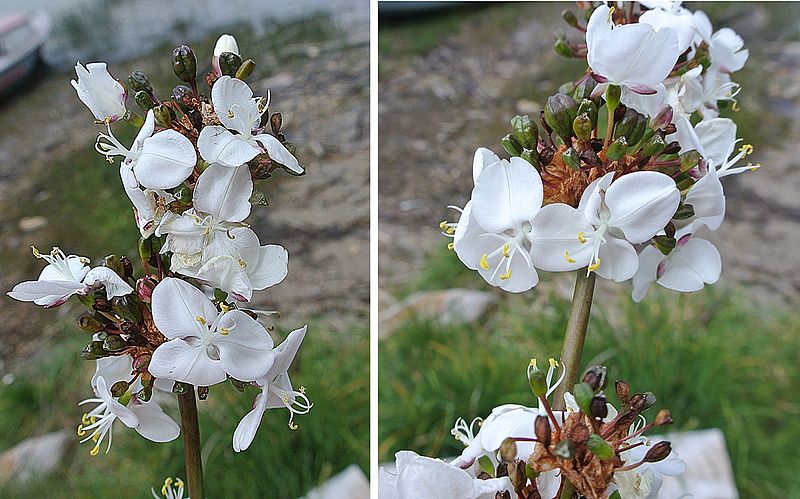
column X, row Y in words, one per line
column 484, row 263
column 505, row 250
column 450, row 246
column 553, row 362
column 568, row 258
column 505, row 276
column 746, row 149
column 581, row 237
column 596, row 265
column 200, row 319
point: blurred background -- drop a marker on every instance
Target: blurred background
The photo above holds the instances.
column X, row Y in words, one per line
column 451, row 77
column 56, row 190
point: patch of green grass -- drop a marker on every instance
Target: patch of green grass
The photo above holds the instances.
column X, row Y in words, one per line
column 279, row 463
column 712, row 360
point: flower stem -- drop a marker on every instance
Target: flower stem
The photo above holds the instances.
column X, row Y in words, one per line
column 190, row 428
column 575, row 336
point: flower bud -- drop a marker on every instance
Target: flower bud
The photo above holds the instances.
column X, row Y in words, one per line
column 598, row 407
column 517, row 475
column 508, row 450
column 559, row 112
column 654, row 146
column 202, row 392
column 163, row 115
column 511, row 145
column 564, row 449
column 145, row 249
column 663, row 118
column 119, row 388
column 139, row 82
column 663, row 418
column 672, row 148
column 537, row 380
column 127, row 266
column 126, row 308
column 143, row 100
column 658, row 452
column 180, row 388
column 113, row 343
column 583, row 90
column 184, row 63
column 623, row 391
column 563, row 49
column 275, row 122
column 90, row 323
column 183, row 96
column 532, row 157
column 542, row 429
column 583, row 394
column 144, row 288
column 502, row 495
column 689, row 160
column 589, row 107
column 240, row 386
column 525, row 130
column 101, row 303
column 617, row 149
column 665, row 244
column 613, row 94
column 642, row 401
column 570, row 157
column 93, row 351
column 583, row 127
column 246, row 69
column 685, row 212
column 596, row 377
column 599, row 447
column 229, row 63
column 631, row 126
column 114, row 263
column 569, row 17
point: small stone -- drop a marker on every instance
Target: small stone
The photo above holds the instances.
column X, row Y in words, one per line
column 448, row 306
column 30, row 224
column 34, row 457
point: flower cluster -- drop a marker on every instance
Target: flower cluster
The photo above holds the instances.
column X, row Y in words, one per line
column 625, row 164
column 190, row 175
column 533, row 452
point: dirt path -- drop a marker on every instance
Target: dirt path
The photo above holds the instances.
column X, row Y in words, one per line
column 437, row 108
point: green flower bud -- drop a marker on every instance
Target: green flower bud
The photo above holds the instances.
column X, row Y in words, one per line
column 582, row 126
column 589, row 107
column 246, row 69
column 596, row 376
column 689, row 160
column 485, row 464
column 564, row 449
column 537, row 379
column 145, row 249
column 685, row 212
column 184, row 63
column 583, row 394
column 114, row 263
column 90, row 323
column 613, row 94
column 599, row 447
column 113, row 343
column 183, row 96
column 143, row 100
column 654, row 146
column 119, row 388
column 163, row 115
column 525, row 130
column 511, row 145
column 139, row 82
column 532, row 157
column 559, row 113
column 625, row 125
column 569, row 17
column 665, row 244
column 229, row 63
column 617, row 149
column 583, row 90
column 126, row 308
column 563, row 49
column 93, row 351
column 570, row 157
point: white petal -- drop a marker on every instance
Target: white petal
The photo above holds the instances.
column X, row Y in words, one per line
column 226, row 273
column 224, row 193
column 516, row 422
column 113, row 283
column 681, row 22
column 246, row 351
column 506, row 195
column 226, row 43
column 427, row 478
column 272, row 267
column 645, row 275
column 555, row 231
column 618, row 260
column 113, row 369
column 483, row 157
column 718, row 139
column 228, row 92
column 148, row 127
column 466, row 242
column 708, row 200
column 246, row 429
column 279, row 153
column 99, row 91
column 286, row 352
column 218, row 145
column 46, row 293
column 154, row 424
column 523, row 277
column 590, row 200
column 691, row 266
column 166, row 160
column 180, row 361
column 647, row 104
column 176, row 306
column 642, row 203
column 598, row 26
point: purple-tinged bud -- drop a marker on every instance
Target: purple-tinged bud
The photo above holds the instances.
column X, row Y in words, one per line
column 202, row 392
column 276, row 122
column 559, row 112
column 508, row 450
column 596, row 376
column 670, row 129
column 143, row 100
column 541, row 427
column 623, row 391
column 658, row 452
column 583, row 90
column 599, row 447
column 144, row 288
column 517, row 475
column 598, row 407
column 127, row 266
column 502, row 495
column 139, row 82
column 672, row 148
column 663, row 118
column 141, row 362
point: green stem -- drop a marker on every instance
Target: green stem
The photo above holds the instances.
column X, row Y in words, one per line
column 575, row 336
column 190, row 427
column 568, row 492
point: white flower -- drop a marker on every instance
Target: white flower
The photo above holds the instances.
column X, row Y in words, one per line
column 172, row 489
column 211, row 243
column 239, row 111
column 693, row 263
column 420, row 477
column 644, row 482
column 276, row 392
column 676, row 18
column 632, row 55
column 160, row 161
column 146, row 418
column 225, row 43
column 65, row 276
column 627, row 211
column 504, row 232
column 716, row 141
column 204, row 346
column 726, row 51
column 150, row 206
column 102, row 94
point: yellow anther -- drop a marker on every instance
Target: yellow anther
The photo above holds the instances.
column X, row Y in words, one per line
column 230, row 113
column 85, row 419
column 302, row 390
column 553, row 362
column 200, row 319
column 35, row 252
column 450, row 246
column 611, row 13
column 505, row 250
column 451, row 231
column 95, row 450
column 285, row 398
column 505, row 276
column 754, row 167
column 225, row 308
column 581, row 237
column 533, row 364
column 178, row 482
column 81, row 432
column 242, row 264
column 596, row 265
column 443, row 225
column 224, row 331
column 735, row 106
column 484, row 263
column 292, row 425
column 568, row 258
column 746, row 149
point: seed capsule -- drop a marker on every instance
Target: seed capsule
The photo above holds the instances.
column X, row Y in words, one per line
column 658, row 452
